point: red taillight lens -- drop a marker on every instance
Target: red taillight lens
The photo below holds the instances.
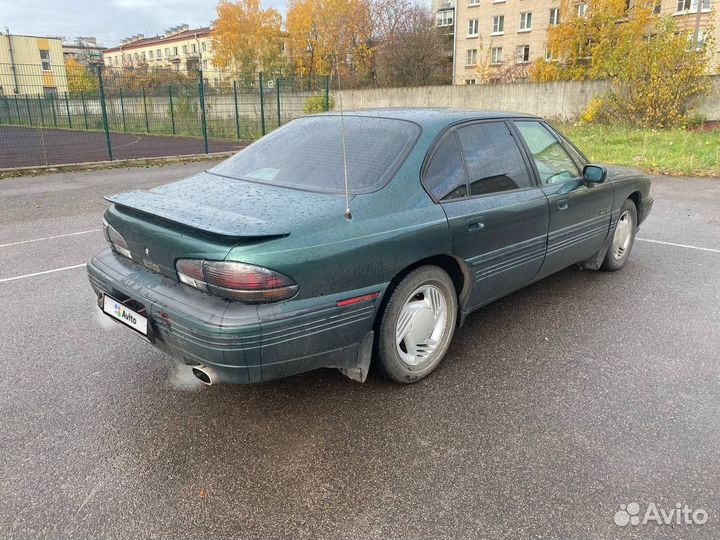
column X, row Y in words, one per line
column 237, row 281
column 116, row 240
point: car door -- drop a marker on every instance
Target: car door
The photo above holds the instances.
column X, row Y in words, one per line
column 498, row 217
column 579, row 212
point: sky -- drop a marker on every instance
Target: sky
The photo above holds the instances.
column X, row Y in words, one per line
column 108, row 20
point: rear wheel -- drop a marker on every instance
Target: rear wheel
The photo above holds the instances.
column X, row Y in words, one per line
column 623, row 238
column 417, row 325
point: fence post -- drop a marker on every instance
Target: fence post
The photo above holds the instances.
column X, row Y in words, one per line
column 27, row 104
column 82, row 99
column 42, row 116
column 103, row 109
column 203, row 119
column 17, row 109
column 262, row 103
column 52, row 106
column 237, row 113
column 327, row 93
column 67, row 108
column 277, row 92
column 147, row 122
column 122, row 110
column 172, row 112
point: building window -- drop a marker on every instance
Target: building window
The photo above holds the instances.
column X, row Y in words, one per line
column 152, row 54
column 523, row 54
column 175, row 51
column 549, row 54
column 45, row 60
column 205, row 64
column 469, row 82
column 205, row 44
column 444, row 18
column 158, row 53
column 692, row 5
column 167, row 52
column 185, row 49
column 498, row 24
column 496, row 56
column 554, row 16
column 473, row 27
column 472, row 3
column 194, row 48
column 526, row 21
column 471, row 57
column 582, row 10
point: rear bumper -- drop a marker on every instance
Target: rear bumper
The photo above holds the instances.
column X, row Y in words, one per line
column 241, row 343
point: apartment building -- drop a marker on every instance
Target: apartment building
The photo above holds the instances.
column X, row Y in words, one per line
column 180, row 48
column 31, row 65
column 494, row 35
column 84, row 50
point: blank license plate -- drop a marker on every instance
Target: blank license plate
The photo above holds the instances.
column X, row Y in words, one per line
column 125, row 315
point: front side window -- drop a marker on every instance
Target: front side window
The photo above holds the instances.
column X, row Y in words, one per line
column 445, row 176
column 307, row 154
column 552, row 161
column 493, row 159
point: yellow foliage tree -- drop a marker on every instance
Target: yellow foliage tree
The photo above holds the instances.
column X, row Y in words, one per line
column 80, row 78
column 248, row 39
column 654, row 68
column 321, row 32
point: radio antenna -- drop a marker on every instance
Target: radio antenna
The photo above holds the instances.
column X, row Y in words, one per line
column 348, row 212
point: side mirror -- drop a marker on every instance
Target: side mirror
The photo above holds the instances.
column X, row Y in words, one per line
column 594, row 174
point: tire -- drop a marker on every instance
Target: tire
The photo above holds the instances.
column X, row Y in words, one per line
column 425, row 304
column 623, row 238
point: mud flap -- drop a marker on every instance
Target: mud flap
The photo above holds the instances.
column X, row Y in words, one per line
column 595, row 262
column 359, row 371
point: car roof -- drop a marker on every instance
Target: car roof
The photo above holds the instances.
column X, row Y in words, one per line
column 432, row 117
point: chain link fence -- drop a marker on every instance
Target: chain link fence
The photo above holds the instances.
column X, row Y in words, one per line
column 55, row 114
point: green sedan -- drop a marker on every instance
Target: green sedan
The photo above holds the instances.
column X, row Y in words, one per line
column 337, row 241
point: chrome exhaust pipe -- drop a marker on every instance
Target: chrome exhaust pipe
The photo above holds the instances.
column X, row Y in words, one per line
column 204, row 374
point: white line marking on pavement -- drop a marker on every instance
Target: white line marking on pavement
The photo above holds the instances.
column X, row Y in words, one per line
column 676, row 245
column 48, row 238
column 41, row 273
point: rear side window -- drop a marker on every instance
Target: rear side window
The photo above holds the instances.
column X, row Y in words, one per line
column 445, row 176
column 494, row 161
column 307, row 154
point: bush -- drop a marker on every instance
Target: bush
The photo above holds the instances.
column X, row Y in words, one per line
column 316, row 104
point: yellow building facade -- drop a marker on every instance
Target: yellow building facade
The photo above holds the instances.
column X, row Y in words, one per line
column 180, row 48
column 31, row 65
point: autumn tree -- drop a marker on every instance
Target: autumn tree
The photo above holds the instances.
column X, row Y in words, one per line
column 409, row 49
column 322, row 33
column 654, row 69
column 80, row 78
column 248, row 39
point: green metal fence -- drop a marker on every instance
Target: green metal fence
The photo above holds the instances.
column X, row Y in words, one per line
column 78, row 114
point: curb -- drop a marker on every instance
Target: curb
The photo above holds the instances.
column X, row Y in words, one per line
column 92, row 165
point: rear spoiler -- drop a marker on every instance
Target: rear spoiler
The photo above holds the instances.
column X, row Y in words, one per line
column 195, row 216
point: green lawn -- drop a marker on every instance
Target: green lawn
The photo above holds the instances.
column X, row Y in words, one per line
column 674, row 152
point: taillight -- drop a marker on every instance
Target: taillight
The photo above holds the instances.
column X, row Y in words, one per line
column 116, row 240
column 236, row 281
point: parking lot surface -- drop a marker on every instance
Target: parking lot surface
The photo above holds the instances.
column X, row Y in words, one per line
column 555, row 406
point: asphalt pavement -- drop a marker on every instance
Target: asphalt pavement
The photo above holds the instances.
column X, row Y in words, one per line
column 555, row 406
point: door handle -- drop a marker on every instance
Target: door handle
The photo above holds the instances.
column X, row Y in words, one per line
column 475, row 224
column 562, row 204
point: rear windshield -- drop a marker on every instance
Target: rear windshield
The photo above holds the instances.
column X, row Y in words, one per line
column 307, row 154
